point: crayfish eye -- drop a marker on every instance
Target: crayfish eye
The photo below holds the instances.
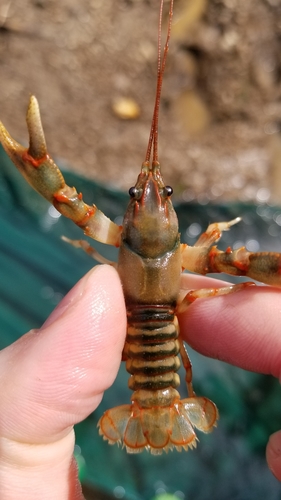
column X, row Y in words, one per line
column 134, row 192
column 168, row 191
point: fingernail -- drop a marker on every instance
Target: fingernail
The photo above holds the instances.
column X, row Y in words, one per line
column 72, row 298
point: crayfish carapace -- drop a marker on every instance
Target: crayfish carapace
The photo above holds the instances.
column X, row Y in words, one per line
column 151, row 259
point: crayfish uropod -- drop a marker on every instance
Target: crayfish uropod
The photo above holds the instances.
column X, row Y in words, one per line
column 151, row 259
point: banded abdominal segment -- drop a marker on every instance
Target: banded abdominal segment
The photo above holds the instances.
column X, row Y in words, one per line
column 151, row 349
column 157, row 419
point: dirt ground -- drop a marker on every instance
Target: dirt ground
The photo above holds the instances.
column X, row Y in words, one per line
column 220, row 113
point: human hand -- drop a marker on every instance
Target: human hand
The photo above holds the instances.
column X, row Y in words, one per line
column 56, row 376
column 242, row 329
column 51, row 379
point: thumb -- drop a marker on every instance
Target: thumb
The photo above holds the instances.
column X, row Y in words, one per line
column 54, row 377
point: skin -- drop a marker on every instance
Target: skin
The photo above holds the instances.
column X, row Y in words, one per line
column 52, row 378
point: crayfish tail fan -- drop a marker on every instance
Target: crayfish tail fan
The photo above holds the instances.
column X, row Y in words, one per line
column 160, row 428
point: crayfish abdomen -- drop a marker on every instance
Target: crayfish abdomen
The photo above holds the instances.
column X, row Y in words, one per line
column 157, row 419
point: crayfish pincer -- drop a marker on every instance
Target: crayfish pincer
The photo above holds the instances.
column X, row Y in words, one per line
column 150, row 263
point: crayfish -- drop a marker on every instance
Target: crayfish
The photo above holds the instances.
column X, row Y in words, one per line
column 151, row 259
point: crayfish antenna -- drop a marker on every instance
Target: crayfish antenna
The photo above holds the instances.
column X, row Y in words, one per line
column 161, row 63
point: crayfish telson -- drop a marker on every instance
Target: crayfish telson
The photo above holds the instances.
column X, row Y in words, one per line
column 150, row 263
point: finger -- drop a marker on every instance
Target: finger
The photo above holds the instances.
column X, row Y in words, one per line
column 240, row 328
column 54, row 377
column 273, row 454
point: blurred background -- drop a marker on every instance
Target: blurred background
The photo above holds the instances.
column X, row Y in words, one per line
column 92, row 65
